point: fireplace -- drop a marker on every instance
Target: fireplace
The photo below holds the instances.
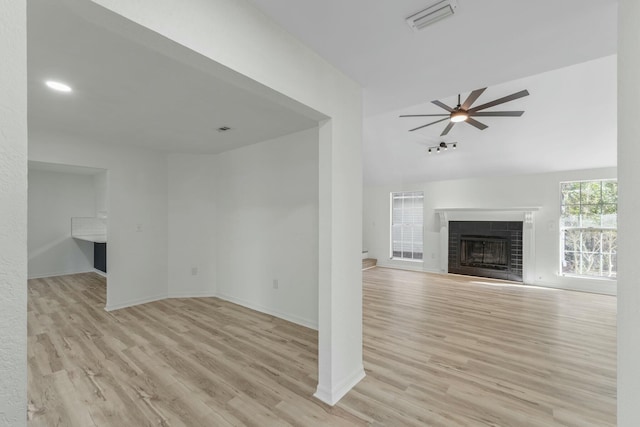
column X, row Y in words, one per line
column 486, row 249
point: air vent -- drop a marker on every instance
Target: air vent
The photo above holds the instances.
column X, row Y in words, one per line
column 224, row 128
column 433, row 13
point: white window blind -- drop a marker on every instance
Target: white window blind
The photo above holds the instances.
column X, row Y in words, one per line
column 407, row 225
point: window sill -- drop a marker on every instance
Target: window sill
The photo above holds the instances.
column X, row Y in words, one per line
column 577, row 276
column 406, row 259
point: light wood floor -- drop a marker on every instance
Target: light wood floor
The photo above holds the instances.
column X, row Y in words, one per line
column 438, row 350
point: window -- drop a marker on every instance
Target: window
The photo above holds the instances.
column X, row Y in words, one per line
column 588, row 228
column 406, row 225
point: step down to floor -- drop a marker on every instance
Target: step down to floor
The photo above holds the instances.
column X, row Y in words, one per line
column 369, row 263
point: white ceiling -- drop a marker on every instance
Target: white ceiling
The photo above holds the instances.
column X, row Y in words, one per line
column 561, row 51
column 127, row 93
column 570, row 118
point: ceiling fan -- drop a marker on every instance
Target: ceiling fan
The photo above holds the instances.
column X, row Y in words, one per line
column 464, row 113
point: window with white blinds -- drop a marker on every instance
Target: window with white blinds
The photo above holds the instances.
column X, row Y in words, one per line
column 407, row 225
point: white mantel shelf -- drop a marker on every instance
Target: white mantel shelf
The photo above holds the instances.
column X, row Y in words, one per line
column 512, row 209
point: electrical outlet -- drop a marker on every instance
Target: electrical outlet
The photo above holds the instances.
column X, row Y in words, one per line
column 194, row 271
column 275, row 283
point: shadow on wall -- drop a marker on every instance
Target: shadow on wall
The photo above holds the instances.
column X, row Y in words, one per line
column 60, row 255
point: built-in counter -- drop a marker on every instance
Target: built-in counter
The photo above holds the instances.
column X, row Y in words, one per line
column 95, row 238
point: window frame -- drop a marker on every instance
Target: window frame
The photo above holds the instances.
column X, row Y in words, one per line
column 413, row 242
column 589, row 230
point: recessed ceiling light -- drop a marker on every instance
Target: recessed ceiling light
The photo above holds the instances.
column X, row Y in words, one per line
column 60, row 87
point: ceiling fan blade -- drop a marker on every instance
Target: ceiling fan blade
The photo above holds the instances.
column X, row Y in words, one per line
column 472, row 98
column 496, row 113
column 447, row 129
column 441, row 105
column 476, row 123
column 429, row 124
column 502, row 100
column 424, row 115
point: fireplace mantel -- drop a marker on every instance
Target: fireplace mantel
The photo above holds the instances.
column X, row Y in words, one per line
column 524, row 214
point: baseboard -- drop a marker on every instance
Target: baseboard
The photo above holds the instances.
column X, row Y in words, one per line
column 410, row 268
column 131, row 303
column 68, row 273
column 331, row 397
column 401, row 266
column 595, row 289
column 99, row 272
column 288, row 317
column 201, row 294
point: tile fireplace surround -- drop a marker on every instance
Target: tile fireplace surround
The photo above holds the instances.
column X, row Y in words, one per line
column 526, row 215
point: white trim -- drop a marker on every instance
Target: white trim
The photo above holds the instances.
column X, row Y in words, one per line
column 331, row 397
column 131, row 303
column 288, row 317
column 401, row 265
column 604, row 287
column 100, row 273
column 201, row 294
column 512, row 209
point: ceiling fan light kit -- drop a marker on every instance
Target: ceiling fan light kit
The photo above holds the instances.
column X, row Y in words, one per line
column 432, row 14
column 458, row 116
column 463, row 112
column 443, row 146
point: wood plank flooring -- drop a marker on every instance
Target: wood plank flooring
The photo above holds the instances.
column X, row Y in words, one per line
column 438, row 350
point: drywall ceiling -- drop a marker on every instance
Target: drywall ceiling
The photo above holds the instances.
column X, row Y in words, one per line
column 569, row 123
column 485, row 43
column 562, row 52
column 126, row 93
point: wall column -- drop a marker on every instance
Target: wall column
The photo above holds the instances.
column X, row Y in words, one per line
column 628, row 208
column 13, row 211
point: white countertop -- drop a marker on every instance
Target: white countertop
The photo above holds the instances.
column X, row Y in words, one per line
column 95, row 238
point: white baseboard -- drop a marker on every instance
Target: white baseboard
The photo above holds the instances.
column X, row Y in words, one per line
column 331, row 397
column 131, row 303
column 288, row 317
column 200, row 294
column 410, row 268
column 592, row 288
column 101, row 273
column 401, row 265
column 66, row 273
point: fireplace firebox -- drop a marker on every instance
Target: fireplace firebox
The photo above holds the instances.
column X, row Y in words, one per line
column 486, row 249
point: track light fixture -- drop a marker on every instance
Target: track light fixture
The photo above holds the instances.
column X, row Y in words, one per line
column 443, row 146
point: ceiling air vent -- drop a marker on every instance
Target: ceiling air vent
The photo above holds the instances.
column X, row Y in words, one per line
column 437, row 11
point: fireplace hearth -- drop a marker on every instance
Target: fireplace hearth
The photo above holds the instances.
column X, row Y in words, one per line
column 486, row 249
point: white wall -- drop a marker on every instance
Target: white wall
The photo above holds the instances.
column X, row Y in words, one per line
column 192, row 225
column 273, row 59
column 137, row 225
column 100, row 187
column 628, row 208
column 268, row 226
column 54, row 198
column 540, row 190
column 245, row 218
column 13, row 213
